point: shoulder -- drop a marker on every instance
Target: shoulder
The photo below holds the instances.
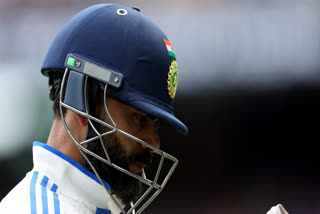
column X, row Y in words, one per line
column 17, row 200
column 36, row 193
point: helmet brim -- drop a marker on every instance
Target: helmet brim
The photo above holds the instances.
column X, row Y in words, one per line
column 161, row 114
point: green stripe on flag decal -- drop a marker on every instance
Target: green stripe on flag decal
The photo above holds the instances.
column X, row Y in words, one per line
column 172, row 54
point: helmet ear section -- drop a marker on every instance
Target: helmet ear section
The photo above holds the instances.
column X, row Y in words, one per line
column 74, row 91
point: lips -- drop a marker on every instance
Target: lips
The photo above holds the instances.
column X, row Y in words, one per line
column 140, row 165
column 136, row 167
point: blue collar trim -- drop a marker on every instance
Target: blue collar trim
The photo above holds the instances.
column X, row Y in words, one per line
column 71, row 161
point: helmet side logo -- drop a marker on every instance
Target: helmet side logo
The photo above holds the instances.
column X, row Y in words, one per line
column 172, row 79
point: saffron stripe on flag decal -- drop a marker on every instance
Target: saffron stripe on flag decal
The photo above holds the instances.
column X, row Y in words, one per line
column 44, row 196
column 167, row 42
column 33, row 203
column 56, row 202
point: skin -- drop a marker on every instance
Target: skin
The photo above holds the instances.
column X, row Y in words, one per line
column 127, row 118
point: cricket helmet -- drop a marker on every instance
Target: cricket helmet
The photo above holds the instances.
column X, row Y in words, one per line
column 122, row 40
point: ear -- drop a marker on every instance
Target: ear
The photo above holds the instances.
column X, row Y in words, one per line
column 82, row 120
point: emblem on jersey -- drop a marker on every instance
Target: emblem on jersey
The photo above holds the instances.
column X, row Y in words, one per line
column 170, row 48
column 172, row 79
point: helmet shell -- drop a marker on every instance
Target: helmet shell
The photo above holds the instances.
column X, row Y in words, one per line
column 123, row 40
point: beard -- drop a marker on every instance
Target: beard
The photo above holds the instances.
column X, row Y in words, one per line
column 126, row 187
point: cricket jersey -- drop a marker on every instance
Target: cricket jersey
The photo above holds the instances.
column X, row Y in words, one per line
column 58, row 184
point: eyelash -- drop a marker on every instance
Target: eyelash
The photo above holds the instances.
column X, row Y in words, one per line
column 141, row 119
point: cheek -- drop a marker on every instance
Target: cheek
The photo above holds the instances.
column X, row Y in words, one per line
column 129, row 145
column 127, row 122
column 129, row 126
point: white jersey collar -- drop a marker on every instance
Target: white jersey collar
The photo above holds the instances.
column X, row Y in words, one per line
column 73, row 179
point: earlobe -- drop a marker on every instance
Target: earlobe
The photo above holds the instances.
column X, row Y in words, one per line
column 82, row 120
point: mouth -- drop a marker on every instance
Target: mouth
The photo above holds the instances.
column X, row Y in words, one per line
column 139, row 161
column 136, row 167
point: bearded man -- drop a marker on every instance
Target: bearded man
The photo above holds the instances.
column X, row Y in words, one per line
column 112, row 78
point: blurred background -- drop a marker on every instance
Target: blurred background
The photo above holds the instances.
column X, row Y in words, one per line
column 248, row 89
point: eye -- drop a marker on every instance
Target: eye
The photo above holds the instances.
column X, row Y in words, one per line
column 141, row 119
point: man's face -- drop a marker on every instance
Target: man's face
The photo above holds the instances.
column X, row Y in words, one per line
column 136, row 123
column 124, row 151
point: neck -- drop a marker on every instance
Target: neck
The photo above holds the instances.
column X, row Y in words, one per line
column 60, row 140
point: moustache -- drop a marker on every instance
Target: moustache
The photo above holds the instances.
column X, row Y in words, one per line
column 145, row 157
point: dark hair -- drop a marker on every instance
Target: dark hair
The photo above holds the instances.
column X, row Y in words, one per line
column 56, row 107
column 55, row 79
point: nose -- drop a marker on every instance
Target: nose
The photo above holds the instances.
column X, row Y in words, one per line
column 150, row 135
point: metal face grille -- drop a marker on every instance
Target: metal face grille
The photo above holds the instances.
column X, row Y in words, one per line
column 153, row 182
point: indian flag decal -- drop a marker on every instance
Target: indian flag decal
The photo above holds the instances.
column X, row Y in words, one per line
column 169, row 48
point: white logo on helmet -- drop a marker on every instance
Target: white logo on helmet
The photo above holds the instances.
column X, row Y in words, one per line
column 122, row 12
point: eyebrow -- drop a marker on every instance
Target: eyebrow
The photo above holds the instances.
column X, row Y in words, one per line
column 155, row 119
